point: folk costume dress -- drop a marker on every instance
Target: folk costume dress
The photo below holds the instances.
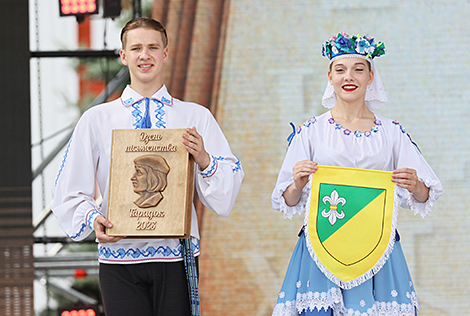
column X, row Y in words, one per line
column 386, row 147
column 87, row 157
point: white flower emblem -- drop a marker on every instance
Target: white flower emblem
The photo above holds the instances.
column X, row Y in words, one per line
column 298, row 284
column 394, row 293
column 282, row 295
column 333, row 214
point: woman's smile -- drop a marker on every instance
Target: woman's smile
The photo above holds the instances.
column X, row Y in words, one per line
column 349, row 87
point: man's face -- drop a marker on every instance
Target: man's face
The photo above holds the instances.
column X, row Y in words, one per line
column 145, row 55
column 139, row 179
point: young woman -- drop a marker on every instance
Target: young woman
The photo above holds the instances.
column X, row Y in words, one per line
column 351, row 135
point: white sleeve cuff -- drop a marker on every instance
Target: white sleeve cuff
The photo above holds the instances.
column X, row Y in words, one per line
column 211, row 169
column 91, row 217
column 290, row 211
column 425, row 208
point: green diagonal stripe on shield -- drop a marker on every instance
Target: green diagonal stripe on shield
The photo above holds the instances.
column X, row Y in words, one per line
column 350, row 220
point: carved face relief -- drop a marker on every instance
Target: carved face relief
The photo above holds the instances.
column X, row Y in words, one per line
column 139, row 179
column 149, row 179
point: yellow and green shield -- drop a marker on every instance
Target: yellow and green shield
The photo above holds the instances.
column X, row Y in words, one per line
column 350, row 223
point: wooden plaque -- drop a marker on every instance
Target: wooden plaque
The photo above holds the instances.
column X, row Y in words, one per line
column 150, row 184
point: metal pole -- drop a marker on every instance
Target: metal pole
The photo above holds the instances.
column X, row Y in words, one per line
column 137, row 9
column 71, row 294
column 76, row 53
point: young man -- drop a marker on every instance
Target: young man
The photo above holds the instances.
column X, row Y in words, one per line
column 142, row 276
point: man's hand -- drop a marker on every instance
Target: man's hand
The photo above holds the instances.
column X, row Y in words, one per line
column 195, row 146
column 99, row 225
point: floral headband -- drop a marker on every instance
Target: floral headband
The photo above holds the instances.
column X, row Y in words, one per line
column 343, row 44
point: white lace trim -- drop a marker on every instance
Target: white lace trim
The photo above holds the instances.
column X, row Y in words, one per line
column 425, row 208
column 310, row 300
column 334, row 300
column 395, row 309
column 290, row 211
column 414, row 299
column 369, row 274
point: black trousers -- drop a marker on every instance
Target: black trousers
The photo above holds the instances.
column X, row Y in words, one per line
column 145, row 289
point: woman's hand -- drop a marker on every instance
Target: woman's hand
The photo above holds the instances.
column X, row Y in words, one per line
column 407, row 178
column 99, row 225
column 301, row 171
column 195, row 146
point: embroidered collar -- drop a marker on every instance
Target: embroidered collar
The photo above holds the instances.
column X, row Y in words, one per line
column 346, row 131
column 130, row 96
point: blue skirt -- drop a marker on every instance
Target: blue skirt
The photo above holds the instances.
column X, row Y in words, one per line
column 307, row 291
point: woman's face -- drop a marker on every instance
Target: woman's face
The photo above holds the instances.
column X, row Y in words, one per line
column 139, row 179
column 349, row 78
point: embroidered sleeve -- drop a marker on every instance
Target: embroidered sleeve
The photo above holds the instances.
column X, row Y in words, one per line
column 211, row 168
column 91, row 217
column 299, row 150
column 74, row 191
column 408, row 155
column 218, row 185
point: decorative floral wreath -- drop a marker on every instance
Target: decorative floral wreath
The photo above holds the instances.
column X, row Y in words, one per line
column 343, row 44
